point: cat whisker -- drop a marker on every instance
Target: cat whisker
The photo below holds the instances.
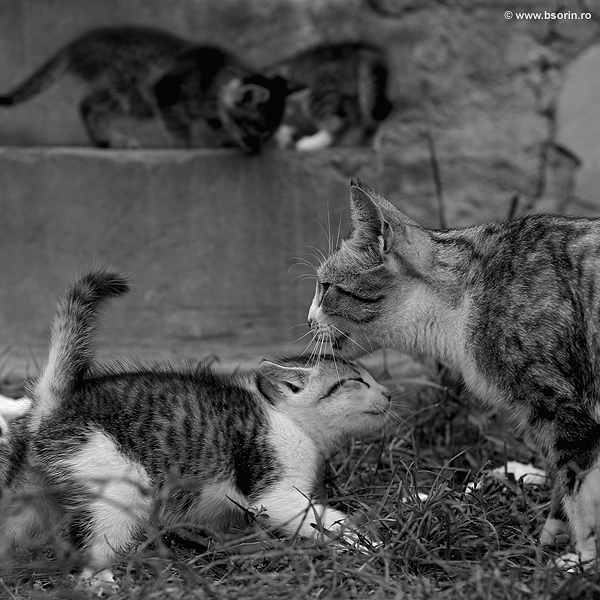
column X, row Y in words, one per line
column 318, row 254
column 335, row 364
column 302, row 262
column 339, row 231
column 305, row 277
column 354, row 341
column 327, row 236
column 301, row 338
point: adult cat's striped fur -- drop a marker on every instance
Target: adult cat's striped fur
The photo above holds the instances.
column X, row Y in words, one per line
column 117, row 449
column 514, row 307
column 146, row 73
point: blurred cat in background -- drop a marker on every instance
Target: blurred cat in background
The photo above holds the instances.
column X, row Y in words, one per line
column 146, row 74
column 343, row 96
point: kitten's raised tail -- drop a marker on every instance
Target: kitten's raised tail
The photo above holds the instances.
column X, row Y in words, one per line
column 71, row 340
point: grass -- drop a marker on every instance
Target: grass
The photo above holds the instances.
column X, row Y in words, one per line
column 449, row 544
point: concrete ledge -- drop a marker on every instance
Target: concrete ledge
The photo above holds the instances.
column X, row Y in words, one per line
column 210, row 238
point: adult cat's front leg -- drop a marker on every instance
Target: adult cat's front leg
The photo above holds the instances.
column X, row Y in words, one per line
column 556, row 523
column 577, row 444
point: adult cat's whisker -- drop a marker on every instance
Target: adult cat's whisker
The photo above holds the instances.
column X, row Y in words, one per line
column 339, row 231
column 327, row 236
column 318, row 254
column 353, row 341
column 335, row 363
column 302, row 262
column 302, row 337
column 305, row 277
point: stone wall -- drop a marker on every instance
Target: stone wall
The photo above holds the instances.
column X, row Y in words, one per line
column 486, row 112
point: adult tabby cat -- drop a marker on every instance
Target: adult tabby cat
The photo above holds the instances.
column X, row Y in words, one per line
column 118, row 448
column 514, row 307
column 344, row 95
column 145, row 74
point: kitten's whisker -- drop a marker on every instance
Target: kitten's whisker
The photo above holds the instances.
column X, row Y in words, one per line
column 394, row 416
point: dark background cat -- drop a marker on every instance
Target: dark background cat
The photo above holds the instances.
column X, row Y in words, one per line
column 145, row 74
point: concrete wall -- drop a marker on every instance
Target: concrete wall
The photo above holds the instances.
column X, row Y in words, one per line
column 212, row 258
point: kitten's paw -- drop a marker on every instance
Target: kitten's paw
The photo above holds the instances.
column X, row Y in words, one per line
column 551, row 530
column 354, row 541
column 321, row 139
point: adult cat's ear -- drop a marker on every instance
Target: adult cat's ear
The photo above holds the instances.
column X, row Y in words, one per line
column 277, row 381
column 370, row 225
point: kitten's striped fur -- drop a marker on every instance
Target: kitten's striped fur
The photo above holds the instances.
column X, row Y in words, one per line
column 151, row 74
column 344, row 95
column 514, row 307
column 120, row 448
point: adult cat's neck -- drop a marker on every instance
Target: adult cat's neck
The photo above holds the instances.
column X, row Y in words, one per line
column 434, row 318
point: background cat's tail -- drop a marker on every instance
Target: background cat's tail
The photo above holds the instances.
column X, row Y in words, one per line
column 41, row 79
column 71, row 340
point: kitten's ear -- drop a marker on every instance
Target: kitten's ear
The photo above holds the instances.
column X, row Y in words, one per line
column 370, row 226
column 253, row 94
column 279, row 380
column 291, row 86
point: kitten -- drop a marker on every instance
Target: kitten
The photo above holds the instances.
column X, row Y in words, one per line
column 117, row 449
column 512, row 306
column 344, row 96
column 146, row 73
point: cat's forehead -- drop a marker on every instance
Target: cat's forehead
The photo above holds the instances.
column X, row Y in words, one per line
column 348, row 261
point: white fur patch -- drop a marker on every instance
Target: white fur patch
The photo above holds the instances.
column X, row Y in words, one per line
column 288, row 502
column 583, row 510
column 321, row 139
column 120, row 493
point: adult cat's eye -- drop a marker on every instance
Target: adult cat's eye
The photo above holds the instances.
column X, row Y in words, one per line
column 293, row 388
column 324, row 286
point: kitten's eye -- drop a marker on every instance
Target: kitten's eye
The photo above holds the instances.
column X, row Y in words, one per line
column 293, row 388
column 324, row 287
column 360, row 380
